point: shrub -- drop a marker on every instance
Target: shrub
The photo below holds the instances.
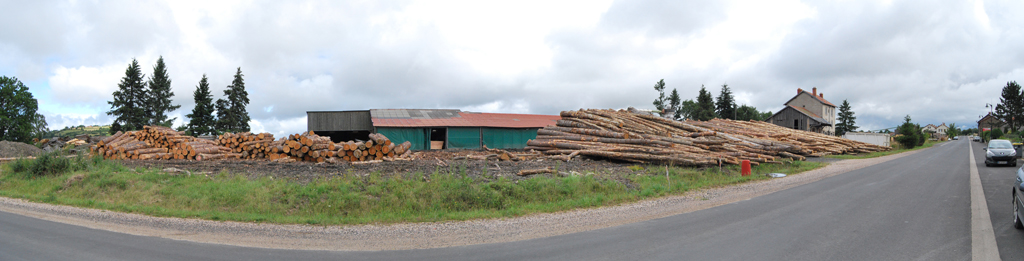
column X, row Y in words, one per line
column 54, row 163
column 996, row 133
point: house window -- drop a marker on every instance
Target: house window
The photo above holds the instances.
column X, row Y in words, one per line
column 796, row 124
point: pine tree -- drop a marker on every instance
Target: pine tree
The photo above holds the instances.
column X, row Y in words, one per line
column 160, row 94
column 705, row 106
column 223, row 123
column 846, row 120
column 673, row 102
column 129, row 104
column 659, row 103
column 1011, row 106
column 238, row 99
column 201, row 120
column 725, row 107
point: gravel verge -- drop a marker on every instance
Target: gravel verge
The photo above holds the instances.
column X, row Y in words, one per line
column 421, row 235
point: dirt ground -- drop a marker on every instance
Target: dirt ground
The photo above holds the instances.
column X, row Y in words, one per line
column 427, row 163
column 10, row 149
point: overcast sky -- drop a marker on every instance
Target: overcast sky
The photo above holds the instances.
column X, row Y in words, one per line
column 936, row 63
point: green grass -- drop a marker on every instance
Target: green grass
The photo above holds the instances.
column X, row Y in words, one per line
column 355, row 199
column 927, row 144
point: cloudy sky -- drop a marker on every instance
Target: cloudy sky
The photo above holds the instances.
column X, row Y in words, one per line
column 935, row 62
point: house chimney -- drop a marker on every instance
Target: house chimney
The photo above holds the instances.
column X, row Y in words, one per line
column 822, row 95
column 814, row 91
column 799, row 91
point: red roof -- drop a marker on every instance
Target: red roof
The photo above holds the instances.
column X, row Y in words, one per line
column 499, row 120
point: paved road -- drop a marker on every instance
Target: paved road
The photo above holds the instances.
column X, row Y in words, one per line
column 913, row 208
column 998, row 182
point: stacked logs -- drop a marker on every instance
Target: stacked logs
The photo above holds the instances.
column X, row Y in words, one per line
column 249, row 145
column 641, row 138
column 157, row 142
column 378, row 147
column 303, row 147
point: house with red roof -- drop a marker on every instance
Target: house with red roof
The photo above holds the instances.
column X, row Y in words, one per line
column 807, row 111
column 431, row 128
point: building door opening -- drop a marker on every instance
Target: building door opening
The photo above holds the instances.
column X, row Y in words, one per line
column 438, row 138
column 796, row 124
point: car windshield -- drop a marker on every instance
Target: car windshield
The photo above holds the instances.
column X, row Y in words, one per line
column 999, row 144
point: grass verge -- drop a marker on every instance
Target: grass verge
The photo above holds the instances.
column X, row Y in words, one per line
column 350, row 199
column 927, row 144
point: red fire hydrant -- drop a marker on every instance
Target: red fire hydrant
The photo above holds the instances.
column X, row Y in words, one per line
column 745, row 168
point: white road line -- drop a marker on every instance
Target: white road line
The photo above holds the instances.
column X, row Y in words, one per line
column 983, row 238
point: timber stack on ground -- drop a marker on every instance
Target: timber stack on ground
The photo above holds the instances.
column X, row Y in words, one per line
column 625, row 136
column 249, row 145
column 378, row 147
column 304, row 147
column 156, row 142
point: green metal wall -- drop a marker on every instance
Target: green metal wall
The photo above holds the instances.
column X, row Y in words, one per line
column 419, row 137
column 463, row 138
column 501, row 138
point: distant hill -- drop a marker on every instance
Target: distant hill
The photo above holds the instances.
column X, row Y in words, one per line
column 94, row 130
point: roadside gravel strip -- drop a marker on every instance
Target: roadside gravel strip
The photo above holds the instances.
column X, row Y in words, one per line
column 421, row 235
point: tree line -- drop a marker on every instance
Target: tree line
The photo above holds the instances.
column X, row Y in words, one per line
column 705, row 107
column 724, row 107
column 137, row 103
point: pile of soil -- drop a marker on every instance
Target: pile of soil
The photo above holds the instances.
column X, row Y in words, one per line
column 429, row 163
column 9, row 149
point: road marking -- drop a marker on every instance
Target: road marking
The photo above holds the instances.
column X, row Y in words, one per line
column 983, row 238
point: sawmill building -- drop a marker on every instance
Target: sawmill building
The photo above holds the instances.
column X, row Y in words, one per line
column 431, row 128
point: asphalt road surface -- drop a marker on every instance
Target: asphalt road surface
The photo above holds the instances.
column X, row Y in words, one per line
column 913, row 208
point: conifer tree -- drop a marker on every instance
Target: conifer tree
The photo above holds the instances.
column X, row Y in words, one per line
column 223, row 123
column 129, row 104
column 659, row 103
column 705, row 105
column 201, row 120
column 847, row 122
column 238, row 99
column 159, row 100
column 673, row 102
column 725, row 107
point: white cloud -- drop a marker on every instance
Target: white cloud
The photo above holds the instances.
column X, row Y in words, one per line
column 92, row 86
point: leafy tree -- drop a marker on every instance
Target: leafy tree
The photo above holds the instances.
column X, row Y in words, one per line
column 19, row 119
column 39, row 126
column 673, row 102
column 746, row 113
column 995, row 133
column 847, row 122
column 705, row 106
column 725, row 106
column 953, row 130
column 159, row 100
column 910, row 134
column 201, row 120
column 687, row 110
column 238, row 99
column 659, row 103
column 1011, row 106
column 129, row 104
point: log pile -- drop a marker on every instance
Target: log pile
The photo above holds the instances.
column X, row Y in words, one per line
column 378, row 147
column 249, row 145
column 641, row 138
column 302, row 147
column 156, row 142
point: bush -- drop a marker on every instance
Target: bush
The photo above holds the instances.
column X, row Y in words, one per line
column 54, row 163
column 995, row 134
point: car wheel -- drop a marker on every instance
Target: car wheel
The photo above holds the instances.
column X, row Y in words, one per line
column 1016, row 217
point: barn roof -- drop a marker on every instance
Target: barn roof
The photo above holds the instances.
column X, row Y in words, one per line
column 457, row 118
column 805, row 112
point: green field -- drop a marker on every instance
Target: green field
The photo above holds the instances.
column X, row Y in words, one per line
column 79, row 130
